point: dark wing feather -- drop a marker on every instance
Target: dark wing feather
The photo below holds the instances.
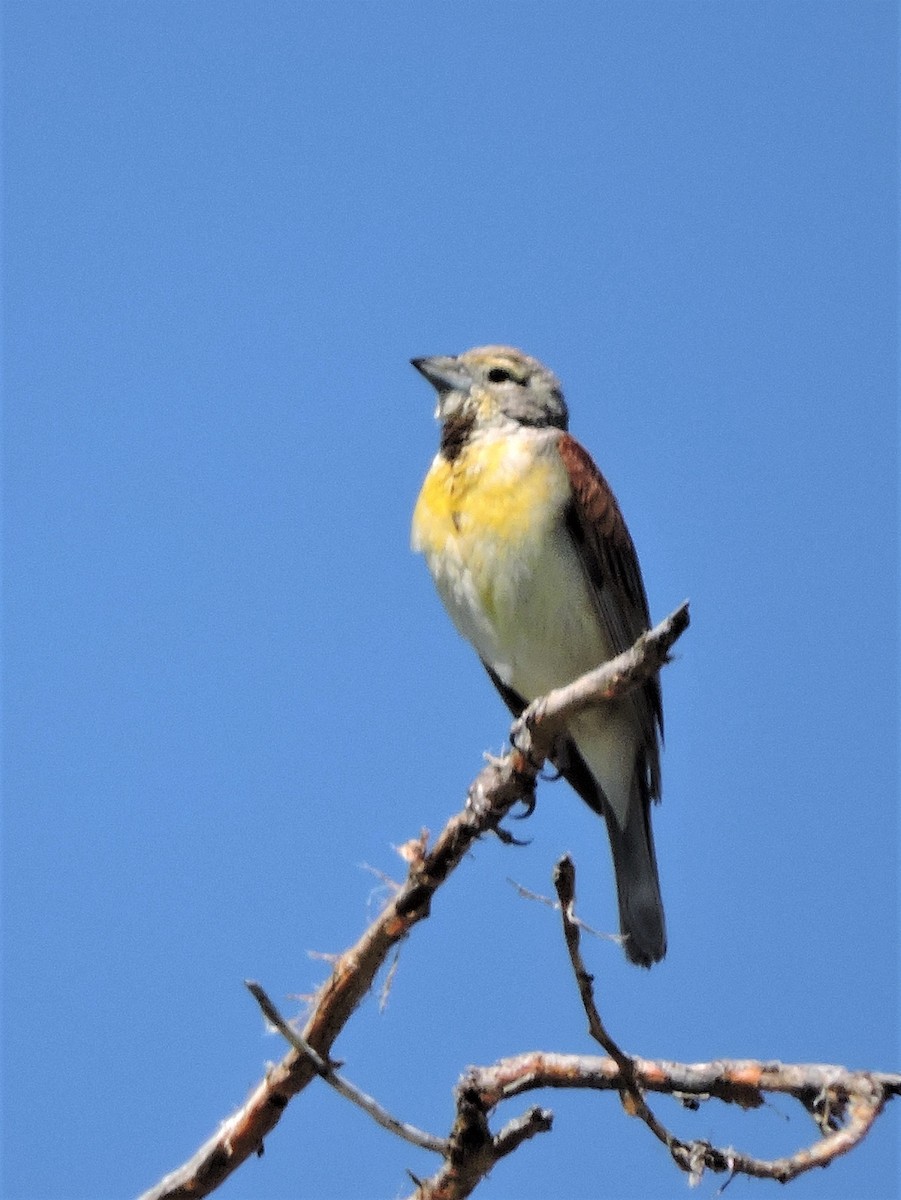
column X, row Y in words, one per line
column 602, row 540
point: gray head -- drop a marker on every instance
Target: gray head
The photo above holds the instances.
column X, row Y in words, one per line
column 491, row 387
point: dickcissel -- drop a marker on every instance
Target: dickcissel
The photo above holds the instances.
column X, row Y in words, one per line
column 533, row 561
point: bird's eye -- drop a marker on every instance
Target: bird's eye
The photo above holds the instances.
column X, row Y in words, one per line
column 499, row 375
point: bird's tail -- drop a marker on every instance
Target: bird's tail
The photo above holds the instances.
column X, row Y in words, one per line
column 637, row 884
column 634, row 862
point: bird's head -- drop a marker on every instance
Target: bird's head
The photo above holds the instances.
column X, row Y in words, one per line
column 493, row 387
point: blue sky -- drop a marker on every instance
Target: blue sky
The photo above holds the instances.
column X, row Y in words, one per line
column 229, row 685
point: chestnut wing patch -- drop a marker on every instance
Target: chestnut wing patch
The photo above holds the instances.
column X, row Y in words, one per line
column 599, row 533
column 597, row 527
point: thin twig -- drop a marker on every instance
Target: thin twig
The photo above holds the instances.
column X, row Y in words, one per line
column 633, row 1100
column 527, row 894
column 425, row 1141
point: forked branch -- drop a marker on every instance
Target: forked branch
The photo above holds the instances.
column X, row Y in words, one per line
column 501, row 784
column 853, row 1099
column 843, row 1103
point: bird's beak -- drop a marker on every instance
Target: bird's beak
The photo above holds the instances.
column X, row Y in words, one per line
column 444, row 373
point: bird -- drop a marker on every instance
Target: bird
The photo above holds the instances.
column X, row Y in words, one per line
column 532, row 559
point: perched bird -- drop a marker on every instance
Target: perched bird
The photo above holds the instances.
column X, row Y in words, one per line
column 533, row 561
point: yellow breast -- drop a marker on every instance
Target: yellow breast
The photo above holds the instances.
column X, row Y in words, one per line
column 495, row 491
column 485, row 522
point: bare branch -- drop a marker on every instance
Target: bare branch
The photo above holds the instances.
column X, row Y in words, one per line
column 855, row 1097
column 502, row 783
column 474, row 1151
column 845, row 1104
